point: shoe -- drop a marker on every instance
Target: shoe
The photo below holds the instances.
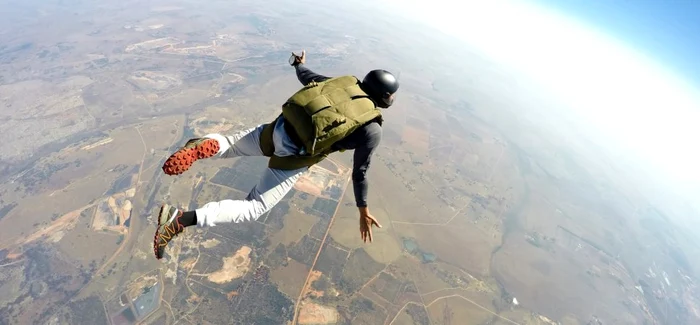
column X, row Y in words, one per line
column 194, row 149
column 169, row 226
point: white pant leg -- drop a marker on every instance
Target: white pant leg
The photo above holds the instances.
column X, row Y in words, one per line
column 272, row 187
column 241, row 144
column 247, row 142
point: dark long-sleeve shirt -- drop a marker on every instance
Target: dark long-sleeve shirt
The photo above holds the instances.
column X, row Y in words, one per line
column 364, row 141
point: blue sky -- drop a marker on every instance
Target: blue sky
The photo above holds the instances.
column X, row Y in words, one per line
column 668, row 30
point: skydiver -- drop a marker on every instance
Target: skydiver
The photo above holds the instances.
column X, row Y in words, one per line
column 350, row 119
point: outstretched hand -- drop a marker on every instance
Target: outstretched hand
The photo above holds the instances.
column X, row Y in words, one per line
column 298, row 59
column 366, row 223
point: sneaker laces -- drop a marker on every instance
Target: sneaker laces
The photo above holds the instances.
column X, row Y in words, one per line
column 172, row 229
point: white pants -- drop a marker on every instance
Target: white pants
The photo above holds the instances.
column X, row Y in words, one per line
column 272, row 187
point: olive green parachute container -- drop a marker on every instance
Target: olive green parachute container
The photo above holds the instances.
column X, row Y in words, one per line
column 323, row 113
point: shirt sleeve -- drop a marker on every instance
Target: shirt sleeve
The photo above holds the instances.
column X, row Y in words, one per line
column 306, row 76
column 361, row 160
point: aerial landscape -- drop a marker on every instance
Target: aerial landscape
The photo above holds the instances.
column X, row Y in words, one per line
column 494, row 209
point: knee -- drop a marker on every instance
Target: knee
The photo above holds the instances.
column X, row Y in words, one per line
column 258, row 206
column 258, row 210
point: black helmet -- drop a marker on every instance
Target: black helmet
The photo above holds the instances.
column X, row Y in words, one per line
column 380, row 85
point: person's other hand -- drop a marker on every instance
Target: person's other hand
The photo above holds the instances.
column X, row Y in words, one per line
column 366, row 223
column 298, row 59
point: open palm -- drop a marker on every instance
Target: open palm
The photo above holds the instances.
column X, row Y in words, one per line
column 366, row 223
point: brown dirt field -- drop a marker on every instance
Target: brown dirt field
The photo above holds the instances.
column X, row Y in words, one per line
column 308, row 185
column 313, row 276
column 101, row 244
column 456, row 310
column 316, row 179
column 209, row 243
column 330, row 166
column 426, row 281
column 96, row 144
column 155, row 81
column 311, row 313
column 64, row 222
column 234, row 267
column 221, row 114
column 343, row 231
column 221, row 128
column 13, row 255
column 296, row 225
column 28, row 212
column 290, row 278
column 117, row 229
column 416, row 139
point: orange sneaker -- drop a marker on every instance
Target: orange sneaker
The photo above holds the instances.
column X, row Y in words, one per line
column 194, row 149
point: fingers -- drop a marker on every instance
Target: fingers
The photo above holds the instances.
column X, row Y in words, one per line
column 367, row 233
column 363, row 234
column 366, row 229
column 302, row 56
column 297, row 58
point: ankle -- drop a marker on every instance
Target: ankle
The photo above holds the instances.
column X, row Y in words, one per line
column 188, row 218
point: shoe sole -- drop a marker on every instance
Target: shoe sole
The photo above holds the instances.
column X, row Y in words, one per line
column 164, row 207
column 183, row 159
